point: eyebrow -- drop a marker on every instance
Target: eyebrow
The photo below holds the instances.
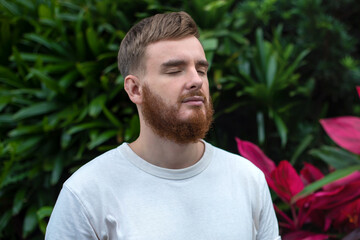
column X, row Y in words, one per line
column 173, row 63
column 202, row 63
column 177, row 63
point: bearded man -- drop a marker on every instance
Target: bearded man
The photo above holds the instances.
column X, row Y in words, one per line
column 169, row 183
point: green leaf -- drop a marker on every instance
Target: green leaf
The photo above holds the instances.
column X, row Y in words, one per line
column 42, row 214
column 111, row 117
column 5, row 170
column 45, row 58
column 210, row 44
column 27, row 144
column 281, row 127
column 30, row 222
column 261, row 127
column 291, row 69
column 213, row 5
column 11, row 7
column 65, row 140
column 6, row 118
column 66, row 80
column 336, row 157
column 96, row 105
column 4, row 220
column 88, row 69
column 58, row 67
column 60, row 50
column 271, row 70
column 47, row 80
column 86, row 126
column 80, row 45
column 10, row 78
column 25, row 130
column 57, row 170
column 93, row 41
column 102, row 138
column 239, row 38
column 326, row 180
column 301, row 147
column 35, row 110
column 19, row 201
column 44, row 11
column 261, row 48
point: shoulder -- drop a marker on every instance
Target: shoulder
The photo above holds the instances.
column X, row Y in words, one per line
column 97, row 171
column 237, row 167
column 235, row 161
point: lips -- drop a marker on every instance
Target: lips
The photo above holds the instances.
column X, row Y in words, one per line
column 193, row 99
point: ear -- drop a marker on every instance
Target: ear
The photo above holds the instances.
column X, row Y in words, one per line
column 133, row 89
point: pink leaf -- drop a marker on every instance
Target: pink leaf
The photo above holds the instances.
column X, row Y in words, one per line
column 303, row 235
column 347, row 216
column 256, row 156
column 310, row 174
column 336, row 197
column 287, row 183
column 284, row 220
column 345, row 131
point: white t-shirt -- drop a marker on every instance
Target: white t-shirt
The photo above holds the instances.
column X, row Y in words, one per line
column 118, row 195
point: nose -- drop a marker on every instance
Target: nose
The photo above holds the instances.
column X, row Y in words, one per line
column 195, row 80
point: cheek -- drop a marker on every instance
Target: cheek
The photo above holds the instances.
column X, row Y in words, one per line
column 205, row 89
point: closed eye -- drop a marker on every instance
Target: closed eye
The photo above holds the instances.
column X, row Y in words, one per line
column 173, row 72
column 202, row 72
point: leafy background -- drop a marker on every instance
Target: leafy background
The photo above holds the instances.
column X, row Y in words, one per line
column 277, row 67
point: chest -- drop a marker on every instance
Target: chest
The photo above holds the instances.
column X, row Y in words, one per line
column 183, row 210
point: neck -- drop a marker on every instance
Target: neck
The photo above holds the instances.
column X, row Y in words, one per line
column 167, row 154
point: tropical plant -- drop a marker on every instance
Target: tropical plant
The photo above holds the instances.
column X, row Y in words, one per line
column 315, row 202
column 62, row 102
column 329, row 204
column 269, row 78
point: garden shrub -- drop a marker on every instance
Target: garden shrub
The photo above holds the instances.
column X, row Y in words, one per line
column 62, row 100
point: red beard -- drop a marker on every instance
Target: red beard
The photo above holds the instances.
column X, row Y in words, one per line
column 164, row 120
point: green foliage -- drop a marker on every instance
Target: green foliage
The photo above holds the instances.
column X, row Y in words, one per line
column 276, row 65
column 62, row 101
column 336, row 157
column 267, row 75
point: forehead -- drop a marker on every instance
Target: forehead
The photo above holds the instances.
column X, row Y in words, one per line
column 187, row 49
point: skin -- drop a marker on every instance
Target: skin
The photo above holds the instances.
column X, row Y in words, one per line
column 173, row 68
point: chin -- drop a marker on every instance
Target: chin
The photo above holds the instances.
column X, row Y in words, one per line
column 191, row 116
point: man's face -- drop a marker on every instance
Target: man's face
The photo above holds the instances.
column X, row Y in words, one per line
column 176, row 102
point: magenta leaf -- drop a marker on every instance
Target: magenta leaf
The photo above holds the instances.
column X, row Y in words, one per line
column 253, row 153
column 358, row 90
column 286, row 182
column 344, row 131
column 303, row 235
column 346, row 217
column 310, row 174
column 327, row 200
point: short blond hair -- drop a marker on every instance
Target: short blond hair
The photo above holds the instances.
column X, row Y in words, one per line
column 167, row 26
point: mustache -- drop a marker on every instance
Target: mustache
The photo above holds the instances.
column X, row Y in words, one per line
column 192, row 94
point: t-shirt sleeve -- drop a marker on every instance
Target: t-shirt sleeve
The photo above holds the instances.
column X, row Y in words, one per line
column 69, row 219
column 268, row 224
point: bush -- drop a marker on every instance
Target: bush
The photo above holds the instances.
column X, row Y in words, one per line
column 287, row 64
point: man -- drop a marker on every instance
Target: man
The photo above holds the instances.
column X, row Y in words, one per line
column 169, row 184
